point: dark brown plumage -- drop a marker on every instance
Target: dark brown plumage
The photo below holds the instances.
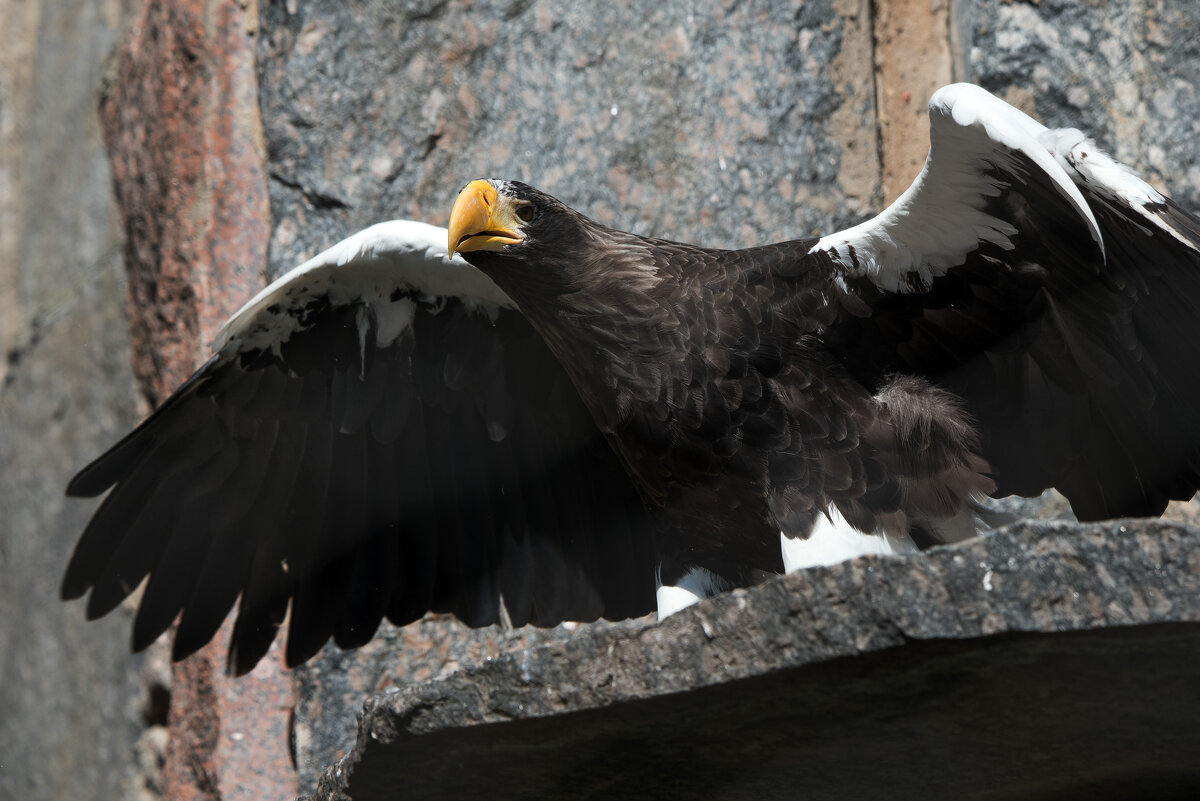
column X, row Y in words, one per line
column 707, row 372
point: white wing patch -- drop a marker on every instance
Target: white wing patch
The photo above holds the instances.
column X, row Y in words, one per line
column 1090, row 165
column 1108, row 178
column 383, row 265
column 941, row 217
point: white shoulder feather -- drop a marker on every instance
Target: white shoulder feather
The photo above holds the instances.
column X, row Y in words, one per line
column 942, row 217
column 378, row 265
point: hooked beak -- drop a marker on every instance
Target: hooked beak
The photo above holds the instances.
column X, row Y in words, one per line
column 482, row 219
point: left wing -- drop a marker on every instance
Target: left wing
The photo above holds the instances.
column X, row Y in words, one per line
column 1052, row 290
column 380, row 433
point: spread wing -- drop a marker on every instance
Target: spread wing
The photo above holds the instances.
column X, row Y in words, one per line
column 380, row 433
column 1049, row 287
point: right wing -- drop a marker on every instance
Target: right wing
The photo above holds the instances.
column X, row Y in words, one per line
column 1049, row 288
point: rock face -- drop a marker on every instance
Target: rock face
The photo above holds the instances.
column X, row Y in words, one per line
column 70, row 701
column 183, row 133
column 952, row 671
column 701, row 122
column 720, row 122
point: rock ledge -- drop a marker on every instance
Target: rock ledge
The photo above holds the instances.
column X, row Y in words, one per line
column 1048, row 660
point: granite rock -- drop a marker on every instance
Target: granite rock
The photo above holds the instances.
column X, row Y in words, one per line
column 71, row 701
column 714, row 122
column 184, row 139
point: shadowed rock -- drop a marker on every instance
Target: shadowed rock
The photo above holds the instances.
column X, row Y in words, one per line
column 1050, row 660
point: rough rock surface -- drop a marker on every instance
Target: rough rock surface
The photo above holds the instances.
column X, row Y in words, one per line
column 70, row 703
column 710, row 121
column 950, row 672
column 912, row 60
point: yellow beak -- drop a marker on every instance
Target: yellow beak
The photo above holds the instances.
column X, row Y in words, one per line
column 482, row 219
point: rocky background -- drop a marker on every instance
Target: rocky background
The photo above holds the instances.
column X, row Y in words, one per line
column 160, row 158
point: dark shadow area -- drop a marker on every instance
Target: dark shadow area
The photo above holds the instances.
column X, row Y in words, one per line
column 1104, row 714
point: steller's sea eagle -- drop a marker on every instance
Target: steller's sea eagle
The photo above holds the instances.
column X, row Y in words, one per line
column 544, row 423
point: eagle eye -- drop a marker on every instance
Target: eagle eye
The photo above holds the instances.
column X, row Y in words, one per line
column 524, row 212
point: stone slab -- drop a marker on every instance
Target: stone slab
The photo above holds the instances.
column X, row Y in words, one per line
column 1045, row 660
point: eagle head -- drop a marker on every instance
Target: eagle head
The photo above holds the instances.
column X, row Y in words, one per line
column 533, row 245
column 508, row 218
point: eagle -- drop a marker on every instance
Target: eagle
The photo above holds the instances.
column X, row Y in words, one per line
column 530, row 417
